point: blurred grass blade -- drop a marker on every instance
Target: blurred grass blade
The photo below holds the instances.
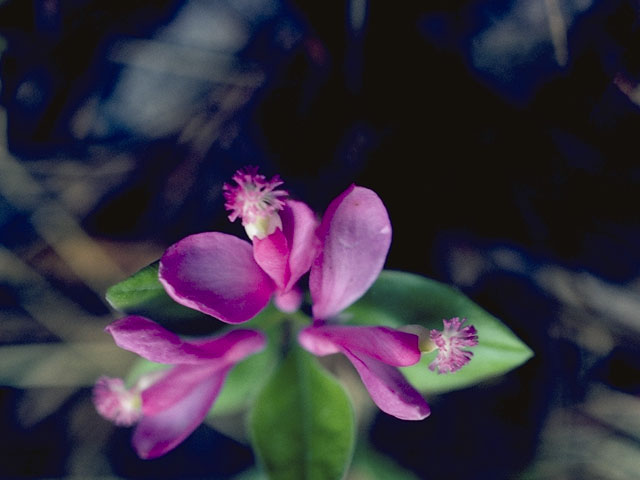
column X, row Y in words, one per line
column 61, row 364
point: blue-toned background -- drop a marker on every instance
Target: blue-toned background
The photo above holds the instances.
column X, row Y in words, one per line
column 501, row 135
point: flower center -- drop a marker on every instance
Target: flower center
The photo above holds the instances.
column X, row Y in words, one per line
column 256, row 201
column 450, row 342
column 117, row 403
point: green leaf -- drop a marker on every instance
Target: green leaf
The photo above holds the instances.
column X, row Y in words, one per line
column 143, row 294
column 399, row 298
column 302, row 423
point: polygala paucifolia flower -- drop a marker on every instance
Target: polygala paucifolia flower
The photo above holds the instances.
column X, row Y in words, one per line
column 233, row 280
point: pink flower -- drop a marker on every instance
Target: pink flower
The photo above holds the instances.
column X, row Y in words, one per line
column 355, row 236
column 167, row 406
column 451, row 356
column 233, row 280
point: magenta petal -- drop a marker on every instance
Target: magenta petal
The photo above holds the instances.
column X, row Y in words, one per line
column 299, row 224
column 272, row 253
column 231, row 347
column 149, row 340
column 216, row 274
column 176, row 384
column 386, row 385
column 153, row 342
column 381, row 343
column 355, row 235
column 157, row 434
column 388, row 388
column 287, row 254
column 222, row 352
column 312, row 340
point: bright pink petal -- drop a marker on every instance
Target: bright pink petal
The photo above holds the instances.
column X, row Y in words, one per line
column 355, row 235
column 153, row 342
column 155, row 435
column 388, row 388
column 374, row 352
column 176, row 384
column 299, row 224
column 312, row 340
column 287, row 254
column 231, row 347
column 272, row 254
column 381, row 343
column 216, row 274
column 180, row 380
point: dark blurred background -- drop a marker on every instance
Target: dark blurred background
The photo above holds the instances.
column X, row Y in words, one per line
column 502, row 136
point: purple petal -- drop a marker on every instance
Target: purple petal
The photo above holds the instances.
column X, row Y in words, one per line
column 388, row 388
column 149, row 340
column 216, row 274
column 233, row 346
column 355, row 234
column 381, row 343
column 176, row 384
column 312, row 339
column 287, row 254
column 386, row 385
column 153, row 342
column 271, row 253
column 179, row 381
column 155, row 435
column 299, row 224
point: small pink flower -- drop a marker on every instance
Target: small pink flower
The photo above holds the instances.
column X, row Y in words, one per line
column 167, row 406
column 232, row 279
column 450, row 343
column 355, row 235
